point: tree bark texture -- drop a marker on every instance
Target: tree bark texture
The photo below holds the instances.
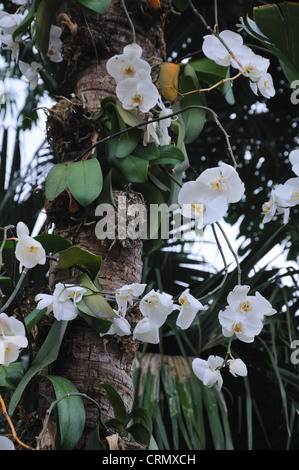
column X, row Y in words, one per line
column 86, row 358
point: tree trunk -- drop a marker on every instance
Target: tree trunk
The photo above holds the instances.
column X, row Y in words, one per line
column 86, row 358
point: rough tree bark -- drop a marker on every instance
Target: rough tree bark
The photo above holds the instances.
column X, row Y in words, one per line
column 86, row 358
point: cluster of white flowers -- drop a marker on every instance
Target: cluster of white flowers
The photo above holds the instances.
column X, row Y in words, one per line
column 255, row 66
column 284, row 196
column 155, row 308
column 63, row 301
column 12, row 338
column 132, row 74
column 244, row 318
column 209, row 195
column 8, row 25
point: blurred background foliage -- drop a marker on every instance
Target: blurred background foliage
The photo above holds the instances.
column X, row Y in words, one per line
column 260, row 411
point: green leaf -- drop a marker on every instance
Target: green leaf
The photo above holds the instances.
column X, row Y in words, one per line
column 193, row 120
column 99, row 6
column 85, row 180
column 140, row 433
column 47, row 354
column 45, row 14
column 56, row 181
column 142, row 414
column 94, row 442
column 116, row 401
column 71, row 413
column 53, row 243
column 106, row 196
column 34, row 317
column 75, row 255
column 6, row 371
column 134, row 169
column 169, row 154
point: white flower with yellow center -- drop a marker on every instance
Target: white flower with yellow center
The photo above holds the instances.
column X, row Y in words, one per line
column 264, row 85
column 188, row 308
column 137, row 92
column 60, row 303
column 244, row 314
column 54, row 48
column 209, row 371
column 156, row 307
column 119, row 327
column 223, row 180
column 275, row 205
column 12, row 338
column 289, row 192
column 126, row 65
column 196, row 201
column 29, row 252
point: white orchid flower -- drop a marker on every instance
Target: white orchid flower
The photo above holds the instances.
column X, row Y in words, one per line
column 156, row 307
column 119, row 327
column 215, row 50
column 209, row 371
column 137, row 92
column 30, row 72
column 6, row 444
column 125, row 295
column 54, row 48
column 244, row 314
column 294, row 159
column 237, row 367
column 189, row 306
column 29, row 252
column 12, row 338
column 126, row 65
column 59, row 303
column 147, row 333
column 223, row 180
column 196, row 202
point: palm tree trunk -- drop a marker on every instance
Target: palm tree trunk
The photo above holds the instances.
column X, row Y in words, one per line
column 85, row 358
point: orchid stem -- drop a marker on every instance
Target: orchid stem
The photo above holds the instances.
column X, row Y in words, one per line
column 130, row 21
column 15, row 291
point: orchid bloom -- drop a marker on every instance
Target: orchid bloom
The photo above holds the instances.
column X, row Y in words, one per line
column 209, row 371
column 29, row 252
column 223, row 180
column 54, row 48
column 189, row 306
column 156, row 307
column 61, row 303
column 215, row 50
column 126, row 294
column 289, row 192
column 8, row 24
column 126, row 65
column 12, row 338
column 237, row 367
column 244, row 314
column 273, row 206
column 137, row 92
column 264, row 85
column 6, row 444
column 119, row 327
column 30, row 72
column 294, row 159
column 147, row 333
column 196, row 202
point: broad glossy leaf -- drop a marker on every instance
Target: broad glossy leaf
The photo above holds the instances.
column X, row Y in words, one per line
column 94, row 442
column 85, row 180
column 169, row 154
column 53, row 243
column 71, row 413
column 133, row 169
column 55, row 181
column 99, row 6
column 75, row 255
column 116, row 401
column 34, row 317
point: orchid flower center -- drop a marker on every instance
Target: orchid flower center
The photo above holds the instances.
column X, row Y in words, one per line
column 245, row 306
